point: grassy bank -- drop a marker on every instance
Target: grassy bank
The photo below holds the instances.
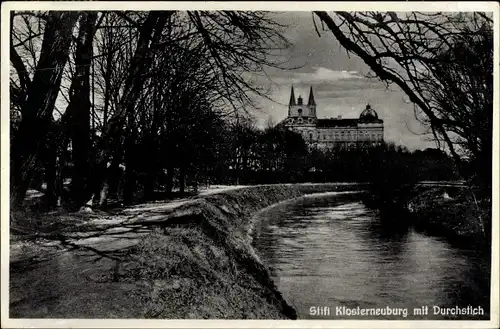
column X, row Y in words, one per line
column 205, row 267
column 194, row 260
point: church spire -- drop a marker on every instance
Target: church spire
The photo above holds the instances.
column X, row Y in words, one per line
column 292, row 98
column 311, row 97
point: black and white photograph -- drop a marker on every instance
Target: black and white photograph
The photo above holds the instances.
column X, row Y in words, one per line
column 270, row 161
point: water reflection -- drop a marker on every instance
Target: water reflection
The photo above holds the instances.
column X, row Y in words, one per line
column 330, row 250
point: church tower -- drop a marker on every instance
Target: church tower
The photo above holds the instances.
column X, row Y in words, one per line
column 300, row 113
column 292, row 101
column 311, row 103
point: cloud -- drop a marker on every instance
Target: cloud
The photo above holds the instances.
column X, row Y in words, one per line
column 319, row 75
column 322, row 74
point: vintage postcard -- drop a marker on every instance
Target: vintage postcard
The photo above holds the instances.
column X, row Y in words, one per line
column 247, row 164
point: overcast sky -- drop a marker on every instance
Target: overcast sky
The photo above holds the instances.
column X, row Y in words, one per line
column 339, row 84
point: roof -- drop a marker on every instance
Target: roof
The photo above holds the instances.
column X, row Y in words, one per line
column 327, row 123
column 370, row 119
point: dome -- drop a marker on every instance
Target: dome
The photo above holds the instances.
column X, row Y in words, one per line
column 368, row 114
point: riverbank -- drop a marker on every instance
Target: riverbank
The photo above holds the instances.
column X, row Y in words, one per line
column 188, row 260
column 455, row 213
column 452, row 212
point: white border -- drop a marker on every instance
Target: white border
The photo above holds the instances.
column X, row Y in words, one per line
column 274, row 6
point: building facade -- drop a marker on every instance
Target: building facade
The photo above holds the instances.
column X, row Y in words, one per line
column 330, row 132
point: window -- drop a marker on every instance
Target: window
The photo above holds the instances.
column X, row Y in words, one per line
column 310, row 136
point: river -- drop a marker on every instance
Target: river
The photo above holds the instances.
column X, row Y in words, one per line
column 332, row 259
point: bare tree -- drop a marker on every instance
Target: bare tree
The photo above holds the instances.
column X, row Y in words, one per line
column 414, row 51
column 150, row 30
column 462, row 95
column 79, row 109
column 41, row 94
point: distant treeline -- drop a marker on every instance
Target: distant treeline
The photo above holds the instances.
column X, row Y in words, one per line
column 276, row 155
column 223, row 153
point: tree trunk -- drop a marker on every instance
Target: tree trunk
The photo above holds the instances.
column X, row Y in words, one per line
column 103, row 195
column 51, row 176
column 149, row 186
column 151, row 171
column 182, row 179
column 130, row 184
column 108, row 183
column 49, row 156
column 40, row 101
column 169, row 184
column 151, row 142
column 107, row 42
column 79, row 111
